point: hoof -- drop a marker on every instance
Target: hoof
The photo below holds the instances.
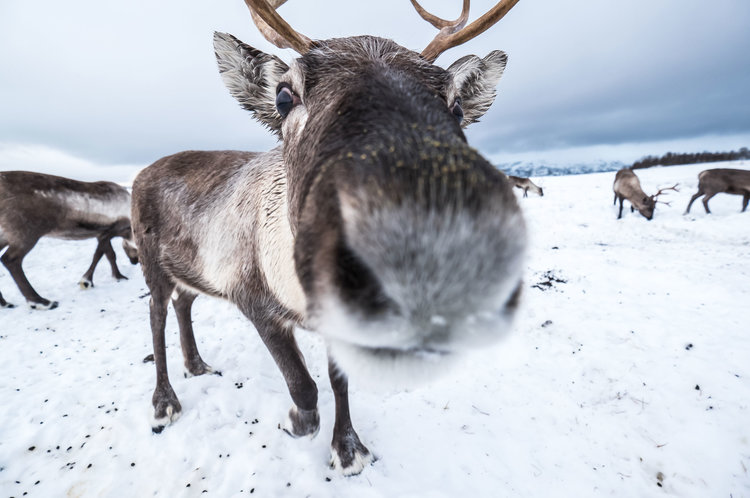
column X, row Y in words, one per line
column 148, row 359
column 85, row 283
column 167, row 410
column 196, row 368
column 302, row 423
column 7, row 305
column 44, row 305
column 351, row 461
column 120, row 277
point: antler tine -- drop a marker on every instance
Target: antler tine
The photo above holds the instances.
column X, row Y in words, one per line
column 274, row 28
column 443, row 41
column 442, row 23
column 661, row 190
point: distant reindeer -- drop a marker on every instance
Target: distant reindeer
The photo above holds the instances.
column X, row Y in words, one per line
column 373, row 223
column 34, row 205
column 627, row 186
column 722, row 180
column 526, row 184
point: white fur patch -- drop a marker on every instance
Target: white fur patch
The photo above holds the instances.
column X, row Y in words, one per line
column 170, row 418
column 43, row 307
column 93, row 209
column 361, row 460
column 276, row 247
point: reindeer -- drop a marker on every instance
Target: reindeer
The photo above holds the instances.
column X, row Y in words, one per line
column 373, row 223
column 627, row 186
column 715, row 181
column 526, row 184
column 34, row 205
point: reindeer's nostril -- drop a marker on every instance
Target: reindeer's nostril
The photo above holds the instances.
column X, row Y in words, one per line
column 512, row 303
column 357, row 284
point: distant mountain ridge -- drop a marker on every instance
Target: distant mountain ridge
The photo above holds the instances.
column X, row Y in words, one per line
column 543, row 168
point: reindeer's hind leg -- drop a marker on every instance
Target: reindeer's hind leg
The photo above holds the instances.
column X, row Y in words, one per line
column 692, row 199
column 279, row 339
column 12, row 259
column 619, row 215
column 706, row 198
column 194, row 364
column 745, row 201
column 348, row 454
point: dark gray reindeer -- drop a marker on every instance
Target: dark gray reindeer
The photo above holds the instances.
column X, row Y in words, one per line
column 34, row 205
column 373, row 223
column 627, row 186
column 722, row 180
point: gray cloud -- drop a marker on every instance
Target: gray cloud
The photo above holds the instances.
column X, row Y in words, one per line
column 128, row 82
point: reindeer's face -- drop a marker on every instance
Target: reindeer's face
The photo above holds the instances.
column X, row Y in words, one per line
column 128, row 245
column 408, row 243
column 648, row 204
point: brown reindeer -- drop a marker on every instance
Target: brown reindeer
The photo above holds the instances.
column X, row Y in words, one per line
column 627, row 186
column 373, row 223
column 526, row 184
column 34, row 205
column 716, row 181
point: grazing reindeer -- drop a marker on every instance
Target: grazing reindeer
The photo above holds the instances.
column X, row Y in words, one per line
column 373, row 223
column 526, row 184
column 716, row 181
column 34, row 205
column 627, row 186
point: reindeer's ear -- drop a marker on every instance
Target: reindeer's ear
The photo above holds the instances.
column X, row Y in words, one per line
column 251, row 77
column 474, row 80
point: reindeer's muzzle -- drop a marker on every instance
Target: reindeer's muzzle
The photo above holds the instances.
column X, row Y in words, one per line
column 420, row 256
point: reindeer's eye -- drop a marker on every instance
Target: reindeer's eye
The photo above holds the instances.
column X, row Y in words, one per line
column 285, row 99
column 457, row 110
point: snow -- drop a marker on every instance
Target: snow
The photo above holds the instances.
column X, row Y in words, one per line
column 626, row 375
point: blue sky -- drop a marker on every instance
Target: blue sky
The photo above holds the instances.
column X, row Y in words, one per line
column 119, row 84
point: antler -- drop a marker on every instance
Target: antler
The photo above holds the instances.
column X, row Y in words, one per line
column 661, row 191
column 453, row 33
column 274, row 28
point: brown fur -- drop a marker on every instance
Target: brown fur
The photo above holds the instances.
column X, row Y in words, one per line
column 722, row 180
column 627, row 186
column 34, row 205
column 373, row 210
column 526, row 184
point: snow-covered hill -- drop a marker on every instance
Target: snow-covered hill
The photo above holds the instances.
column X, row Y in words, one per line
column 627, row 374
column 558, row 168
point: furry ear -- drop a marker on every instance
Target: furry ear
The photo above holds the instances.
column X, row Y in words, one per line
column 251, row 77
column 474, row 80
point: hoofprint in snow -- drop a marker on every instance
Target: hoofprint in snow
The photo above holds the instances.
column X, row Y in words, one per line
column 626, row 374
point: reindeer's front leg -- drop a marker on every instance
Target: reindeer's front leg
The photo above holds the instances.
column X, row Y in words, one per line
column 4, row 303
column 87, row 280
column 167, row 407
column 103, row 248
column 194, row 364
column 112, row 258
column 304, row 419
column 348, row 454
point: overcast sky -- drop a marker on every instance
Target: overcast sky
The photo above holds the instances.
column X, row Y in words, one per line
column 99, row 82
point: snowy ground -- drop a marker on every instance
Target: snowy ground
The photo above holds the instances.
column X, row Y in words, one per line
column 628, row 374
